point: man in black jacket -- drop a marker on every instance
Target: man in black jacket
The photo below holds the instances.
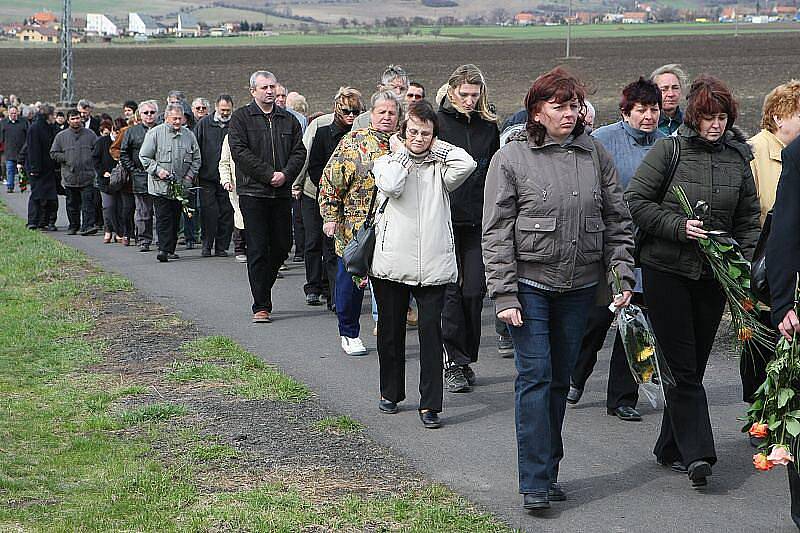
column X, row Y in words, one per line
column 783, row 255
column 216, row 213
column 90, row 122
column 466, row 121
column 43, row 201
column 267, row 148
column 13, row 130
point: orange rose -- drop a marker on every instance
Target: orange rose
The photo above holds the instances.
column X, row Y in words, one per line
column 745, row 334
column 748, row 305
column 761, row 462
column 758, row 430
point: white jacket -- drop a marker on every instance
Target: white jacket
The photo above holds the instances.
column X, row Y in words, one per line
column 414, row 236
column 227, row 174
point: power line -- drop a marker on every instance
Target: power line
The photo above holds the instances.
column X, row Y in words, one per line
column 67, row 79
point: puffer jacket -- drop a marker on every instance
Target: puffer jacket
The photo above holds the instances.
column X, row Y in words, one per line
column 717, row 173
column 414, row 235
column 554, row 215
column 481, row 139
column 129, row 156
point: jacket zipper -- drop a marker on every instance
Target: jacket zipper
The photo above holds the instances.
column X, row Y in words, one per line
column 272, row 142
column 419, row 226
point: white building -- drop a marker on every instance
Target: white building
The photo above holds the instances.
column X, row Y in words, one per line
column 143, row 25
column 99, row 24
column 187, row 26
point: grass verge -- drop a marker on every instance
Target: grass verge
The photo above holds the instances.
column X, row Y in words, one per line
column 72, row 460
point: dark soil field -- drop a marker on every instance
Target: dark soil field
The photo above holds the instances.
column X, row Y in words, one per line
column 751, row 64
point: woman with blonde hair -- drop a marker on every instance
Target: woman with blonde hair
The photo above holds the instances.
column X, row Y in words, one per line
column 466, row 121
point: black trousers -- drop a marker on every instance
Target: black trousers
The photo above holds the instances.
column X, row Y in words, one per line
column 685, row 315
column 118, row 213
column 392, row 299
column 320, row 251
column 298, row 227
column 99, row 215
column 168, row 216
column 42, row 213
column 753, row 366
column 463, row 301
column 216, row 216
column 267, row 222
column 239, row 242
column 622, row 388
column 80, row 207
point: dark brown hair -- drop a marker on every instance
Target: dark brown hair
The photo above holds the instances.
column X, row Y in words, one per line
column 558, row 85
column 707, row 96
column 642, row 91
column 422, row 111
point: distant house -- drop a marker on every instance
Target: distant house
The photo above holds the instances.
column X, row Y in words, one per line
column 524, row 19
column 43, row 18
column 30, row 34
column 585, row 17
column 187, row 26
column 635, row 17
column 98, row 24
column 612, row 17
column 143, row 25
column 785, row 12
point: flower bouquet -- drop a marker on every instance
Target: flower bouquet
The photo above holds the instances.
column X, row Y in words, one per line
column 732, row 271
column 177, row 190
column 645, row 359
column 774, row 416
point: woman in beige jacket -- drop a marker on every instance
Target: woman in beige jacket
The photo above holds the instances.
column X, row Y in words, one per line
column 414, row 253
column 227, row 178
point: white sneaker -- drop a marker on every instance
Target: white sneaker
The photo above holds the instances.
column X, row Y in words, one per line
column 241, row 258
column 353, row 346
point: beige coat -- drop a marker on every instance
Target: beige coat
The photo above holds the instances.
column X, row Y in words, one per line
column 766, row 167
column 414, row 236
column 227, row 174
column 302, row 182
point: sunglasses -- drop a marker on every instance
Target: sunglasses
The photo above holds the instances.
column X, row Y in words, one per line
column 414, row 96
column 354, row 112
column 148, row 112
column 199, row 107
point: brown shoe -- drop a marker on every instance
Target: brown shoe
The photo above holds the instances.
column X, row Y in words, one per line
column 261, row 317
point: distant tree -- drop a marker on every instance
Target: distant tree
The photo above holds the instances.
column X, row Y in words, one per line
column 499, row 15
column 436, row 31
column 668, row 14
column 304, row 28
column 343, row 22
column 354, row 22
column 257, row 26
column 244, row 26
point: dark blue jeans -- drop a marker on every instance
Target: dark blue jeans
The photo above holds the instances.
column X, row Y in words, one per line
column 546, row 348
column 348, row 303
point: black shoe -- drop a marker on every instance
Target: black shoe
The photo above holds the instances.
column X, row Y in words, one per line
column 32, row 226
column 698, row 472
column 221, row 253
column 205, row 252
column 469, row 375
column 430, row 420
column 52, row 227
column 313, row 299
column 387, row 406
column 535, row 502
column 144, row 248
column 298, row 259
column 675, row 466
column 626, row 413
column 574, row 394
column 189, row 245
column 555, row 493
column 455, row 380
column 90, row 231
column 72, row 231
column 173, row 256
column 505, row 346
column 163, row 257
column 278, row 276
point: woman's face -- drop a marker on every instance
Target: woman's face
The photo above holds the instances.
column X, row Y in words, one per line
column 558, row 118
column 383, row 116
column 712, row 126
column 419, row 135
column 643, row 117
column 788, row 127
column 467, row 95
column 348, row 113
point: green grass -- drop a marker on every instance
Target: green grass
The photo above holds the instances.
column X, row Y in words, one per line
column 219, row 359
column 339, row 424
column 66, row 465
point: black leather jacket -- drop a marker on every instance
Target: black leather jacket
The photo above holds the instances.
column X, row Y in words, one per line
column 129, row 156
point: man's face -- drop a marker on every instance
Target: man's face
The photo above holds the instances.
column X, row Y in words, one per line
column 223, row 109
column 414, row 94
column 671, row 93
column 148, row 114
column 173, row 100
column 85, row 112
column 264, row 91
column 13, row 113
column 75, row 122
column 60, row 119
column 174, row 119
column 280, row 96
column 127, row 112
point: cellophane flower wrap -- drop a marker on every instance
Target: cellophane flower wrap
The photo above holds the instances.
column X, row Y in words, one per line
column 774, row 416
column 645, row 359
column 177, row 190
column 732, row 271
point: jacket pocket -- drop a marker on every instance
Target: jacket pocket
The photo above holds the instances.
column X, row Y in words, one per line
column 535, row 237
column 591, row 239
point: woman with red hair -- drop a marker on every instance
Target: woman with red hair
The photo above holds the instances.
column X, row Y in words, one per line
column 684, row 299
column 554, row 225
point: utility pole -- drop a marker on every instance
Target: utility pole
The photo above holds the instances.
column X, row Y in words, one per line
column 569, row 26
column 67, row 93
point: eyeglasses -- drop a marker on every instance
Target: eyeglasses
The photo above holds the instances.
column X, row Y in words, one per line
column 354, row 112
column 416, row 133
column 148, row 112
column 199, row 107
column 414, row 96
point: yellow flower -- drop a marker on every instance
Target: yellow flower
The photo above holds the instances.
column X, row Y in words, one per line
column 645, row 354
column 647, row 375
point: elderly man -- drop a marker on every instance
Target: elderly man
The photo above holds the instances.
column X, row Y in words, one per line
column 217, row 213
column 91, row 122
column 171, row 157
column 200, row 109
column 129, row 158
column 267, row 149
column 13, row 130
column 671, row 80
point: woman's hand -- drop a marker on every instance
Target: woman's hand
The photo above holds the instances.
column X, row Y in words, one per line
column 395, row 144
column 694, row 229
column 512, row 317
column 789, row 325
column 329, row 228
column 623, row 300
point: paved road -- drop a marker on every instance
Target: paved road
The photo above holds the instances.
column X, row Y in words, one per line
column 609, row 471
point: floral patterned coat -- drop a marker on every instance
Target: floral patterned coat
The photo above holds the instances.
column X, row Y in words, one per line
column 347, row 183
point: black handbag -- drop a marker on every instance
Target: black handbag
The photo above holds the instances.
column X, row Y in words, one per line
column 358, row 253
column 119, row 178
column 758, row 268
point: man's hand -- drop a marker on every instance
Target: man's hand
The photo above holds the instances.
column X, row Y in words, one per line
column 162, row 174
column 296, row 192
column 329, row 228
column 623, row 300
column 106, row 174
column 512, row 317
column 19, row 168
column 228, row 186
column 278, row 179
column 790, row 325
column 694, row 229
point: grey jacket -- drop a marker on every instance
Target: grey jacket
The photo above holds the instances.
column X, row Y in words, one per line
column 627, row 146
column 554, row 215
column 73, row 149
column 175, row 152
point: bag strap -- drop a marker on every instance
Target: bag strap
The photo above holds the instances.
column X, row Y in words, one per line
column 371, row 213
column 673, row 165
column 761, row 245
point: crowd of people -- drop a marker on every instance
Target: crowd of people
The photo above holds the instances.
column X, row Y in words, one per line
column 536, row 214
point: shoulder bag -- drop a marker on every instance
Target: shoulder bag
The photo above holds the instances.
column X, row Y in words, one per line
column 358, row 253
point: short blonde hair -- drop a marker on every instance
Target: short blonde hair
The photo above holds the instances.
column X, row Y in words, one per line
column 297, row 102
column 780, row 102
